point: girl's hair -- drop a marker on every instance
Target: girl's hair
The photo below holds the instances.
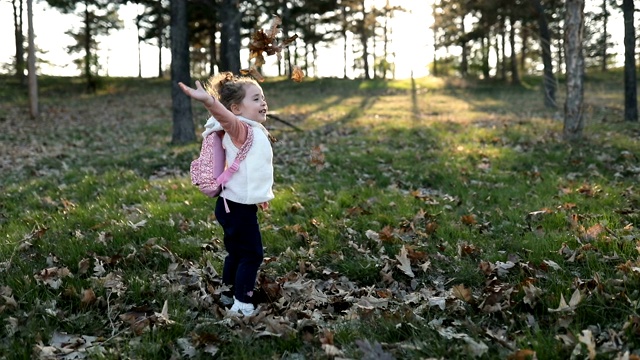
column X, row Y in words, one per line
column 228, row 88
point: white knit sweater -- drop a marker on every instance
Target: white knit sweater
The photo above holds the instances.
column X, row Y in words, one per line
column 253, row 182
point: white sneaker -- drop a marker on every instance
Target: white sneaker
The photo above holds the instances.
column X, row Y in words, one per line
column 241, row 308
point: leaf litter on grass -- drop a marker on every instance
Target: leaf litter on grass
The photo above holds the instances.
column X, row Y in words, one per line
column 313, row 301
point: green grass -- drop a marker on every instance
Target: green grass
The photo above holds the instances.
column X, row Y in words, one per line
column 471, row 178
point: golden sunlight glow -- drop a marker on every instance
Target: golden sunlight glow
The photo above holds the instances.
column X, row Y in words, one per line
column 410, row 45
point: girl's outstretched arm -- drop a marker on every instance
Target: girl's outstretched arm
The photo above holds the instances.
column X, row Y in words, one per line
column 230, row 123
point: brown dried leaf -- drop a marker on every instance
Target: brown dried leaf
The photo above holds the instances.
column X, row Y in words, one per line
column 297, row 75
column 53, row 276
column 593, row 232
column 10, row 301
column 587, row 338
column 523, row 354
column 83, row 266
column 273, row 29
column 137, row 320
column 386, row 234
column 88, row 297
column 327, row 337
column 431, row 227
column 317, row 156
column 587, row 190
column 576, row 298
column 531, row 294
column 462, row 293
column 266, row 42
column 253, row 72
column 405, row 263
column 468, row 219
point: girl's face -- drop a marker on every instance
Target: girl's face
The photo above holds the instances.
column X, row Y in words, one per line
column 253, row 106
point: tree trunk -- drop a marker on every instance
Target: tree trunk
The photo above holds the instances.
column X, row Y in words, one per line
column 464, row 60
column 91, row 82
column 160, row 72
column 286, row 20
column 605, row 20
column 19, row 38
column 183, row 127
column 435, row 42
column 139, row 47
column 213, row 53
column 31, row 60
column 549, row 80
column 561, row 60
column 485, row 45
column 524, row 35
column 364, row 40
column 385, row 45
column 230, row 36
column 515, row 77
column 573, row 33
column 494, row 43
column 161, row 37
column 314, row 56
column 344, row 50
column 503, row 49
column 630, row 82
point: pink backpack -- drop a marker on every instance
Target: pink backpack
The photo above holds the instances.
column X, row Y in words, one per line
column 208, row 170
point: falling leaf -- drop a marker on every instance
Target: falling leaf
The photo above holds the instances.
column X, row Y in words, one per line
column 297, row 74
column 266, row 42
column 405, row 264
column 253, row 72
column 317, row 156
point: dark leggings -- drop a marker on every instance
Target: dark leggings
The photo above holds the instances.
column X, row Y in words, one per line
column 243, row 242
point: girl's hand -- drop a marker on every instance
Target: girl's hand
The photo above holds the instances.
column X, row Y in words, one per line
column 199, row 93
column 264, row 205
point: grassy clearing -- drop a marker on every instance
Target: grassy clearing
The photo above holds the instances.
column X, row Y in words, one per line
column 413, row 219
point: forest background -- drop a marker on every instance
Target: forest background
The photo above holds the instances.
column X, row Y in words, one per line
column 428, row 248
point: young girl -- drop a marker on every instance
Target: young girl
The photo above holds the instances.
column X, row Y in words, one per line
column 237, row 105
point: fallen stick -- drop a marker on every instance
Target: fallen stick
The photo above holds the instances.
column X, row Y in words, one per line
column 277, row 118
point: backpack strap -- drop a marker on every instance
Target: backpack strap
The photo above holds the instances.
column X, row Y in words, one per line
column 230, row 170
